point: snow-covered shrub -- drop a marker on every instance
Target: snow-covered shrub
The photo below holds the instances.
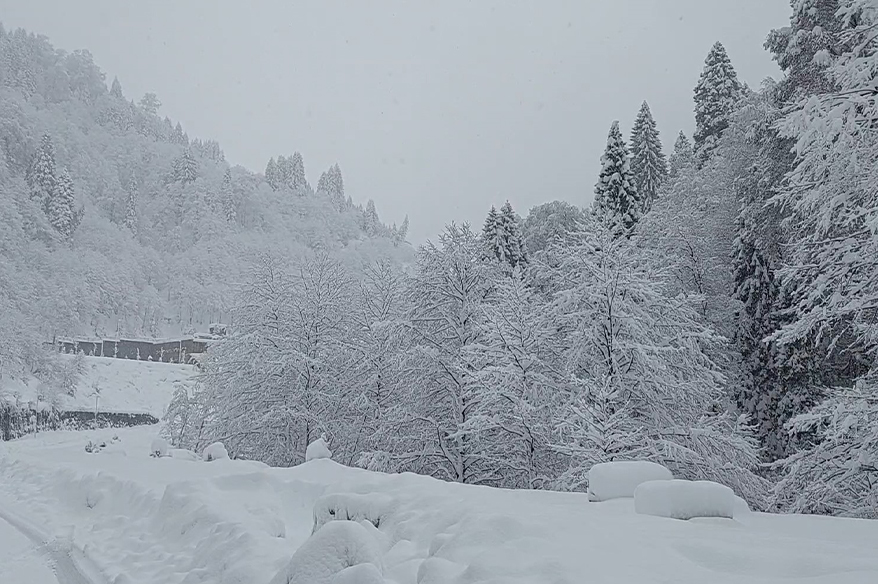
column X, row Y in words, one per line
column 182, row 454
column 215, row 451
column 614, row 480
column 159, row 448
column 318, row 449
column 681, row 499
column 372, row 507
column 339, row 545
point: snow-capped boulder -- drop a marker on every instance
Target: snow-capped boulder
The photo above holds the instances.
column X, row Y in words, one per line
column 317, row 449
column 215, row 451
column 334, row 548
column 681, row 499
column 159, row 448
column 619, row 479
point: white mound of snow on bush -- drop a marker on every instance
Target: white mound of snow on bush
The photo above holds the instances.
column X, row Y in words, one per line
column 372, row 507
column 215, row 451
column 616, row 480
column 317, row 449
column 681, row 499
column 359, row 574
column 335, row 547
column 183, row 454
column 159, row 448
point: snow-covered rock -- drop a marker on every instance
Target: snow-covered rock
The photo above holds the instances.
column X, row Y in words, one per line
column 317, row 449
column 681, row 499
column 215, row 451
column 615, row 480
column 159, row 448
column 336, row 547
column 372, row 507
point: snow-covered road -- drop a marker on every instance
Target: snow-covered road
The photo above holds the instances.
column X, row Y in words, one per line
column 27, row 555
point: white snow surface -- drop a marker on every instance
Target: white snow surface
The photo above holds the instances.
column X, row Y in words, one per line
column 681, row 499
column 159, row 447
column 122, row 385
column 148, row 520
column 317, row 450
column 619, row 479
column 21, row 560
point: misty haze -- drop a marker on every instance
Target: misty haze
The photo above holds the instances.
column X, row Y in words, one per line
column 439, row 293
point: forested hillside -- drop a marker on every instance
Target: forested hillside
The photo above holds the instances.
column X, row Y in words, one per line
column 115, row 222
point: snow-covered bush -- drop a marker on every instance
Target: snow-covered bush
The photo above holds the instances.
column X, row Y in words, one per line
column 183, row 454
column 337, row 546
column 681, row 499
column 159, row 448
column 372, row 507
column 614, row 480
column 318, row 449
column 215, row 451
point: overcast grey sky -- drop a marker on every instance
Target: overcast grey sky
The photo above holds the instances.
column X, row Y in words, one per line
column 438, row 109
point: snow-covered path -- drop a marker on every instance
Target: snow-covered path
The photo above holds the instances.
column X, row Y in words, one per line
column 28, row 554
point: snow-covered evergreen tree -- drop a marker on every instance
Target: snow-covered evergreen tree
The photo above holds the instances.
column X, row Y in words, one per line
column 682, row 157
column 716, row 96
column 131, row 220
column 285, row 172
column 616, row 200
column 299, row 183
column 501, row 235
column 61, row 206
column 648, row 164
column 229, row 199
column 185, row 168
column 371, row 222
column 41, row 173
column 150, row 103
column 272, row 176
column 116, row 89
column 331, row 183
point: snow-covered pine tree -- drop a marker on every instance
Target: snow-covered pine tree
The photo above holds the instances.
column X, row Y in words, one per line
column 682, row 157
column 336, row 187
column 41, row 173
column 617, row 202
column 185, row 168
column 806, row 47
column 515, row 254
column 403, row 231
column 285, row 172
column 299, row 183
column 131, row 207
column 229, row 200
column 150, row 104
column 716, row 96
column 831, row 273
column 178, row 136
column 371, row 222
column 61, row 206
column 271, row 174
column 648, row 164
column 116, row 89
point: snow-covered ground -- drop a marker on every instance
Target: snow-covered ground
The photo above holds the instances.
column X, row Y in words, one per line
column 170, row 520
column 21, row 560
column 121, row 385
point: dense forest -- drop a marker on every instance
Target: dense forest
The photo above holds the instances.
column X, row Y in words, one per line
column 713, row 309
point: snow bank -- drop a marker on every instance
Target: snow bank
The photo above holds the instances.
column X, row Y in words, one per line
column 615, row 480
column 327, row 553
column 317, row 450
column 372, row 507
column 215, row 451
column 159, row 448
column 680, row 499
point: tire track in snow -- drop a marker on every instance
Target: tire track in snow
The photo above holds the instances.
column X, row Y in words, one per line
column 70, row 565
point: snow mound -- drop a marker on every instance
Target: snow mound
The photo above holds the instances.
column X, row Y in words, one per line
column 317, row 449
column 372, row 507
column 616, row 480
column 183, row 454
column 359, row 574
column 215, row 451
column 327, row 553
column 159, row 448
column 681, row 499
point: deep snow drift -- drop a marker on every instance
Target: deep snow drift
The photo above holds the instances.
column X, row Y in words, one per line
column 169, row 520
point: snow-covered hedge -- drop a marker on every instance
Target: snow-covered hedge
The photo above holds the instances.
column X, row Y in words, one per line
column 614, row 480
column 681, row 499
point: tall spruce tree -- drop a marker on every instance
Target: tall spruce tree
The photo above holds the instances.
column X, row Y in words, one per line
column 61, row 207
column 716, row 97
column 185, row 168
column 617, row 202
column 116, row 89
column 502, row 236
column 299, row 183
column 131, row 207
column 648, row 163
column 271, row 174
column 41, row 172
